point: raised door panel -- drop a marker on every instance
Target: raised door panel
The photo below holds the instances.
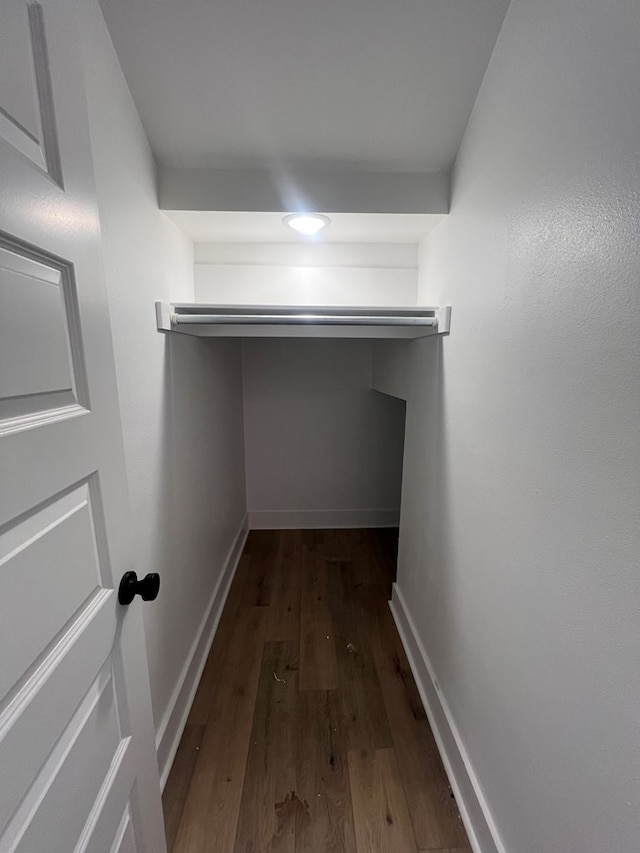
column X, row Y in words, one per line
column 125, row 839
column 27, row 118
column 35, row 716
column 41, row 369
column 53, row 553
column 75, row 771
column 58, row 620
column 112, row 825
column 125, row 842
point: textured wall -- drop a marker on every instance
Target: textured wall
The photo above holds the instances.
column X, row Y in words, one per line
column 180, row 399
column 520, row 532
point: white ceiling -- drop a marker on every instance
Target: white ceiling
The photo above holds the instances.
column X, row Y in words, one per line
column 383, row 85
column 248, row 227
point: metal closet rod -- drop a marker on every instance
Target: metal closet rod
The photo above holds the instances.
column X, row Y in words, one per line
column 300, row 319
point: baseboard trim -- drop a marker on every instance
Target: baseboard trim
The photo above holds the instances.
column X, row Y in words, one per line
column 323, row 518
column 175, row 718
column 474, row 811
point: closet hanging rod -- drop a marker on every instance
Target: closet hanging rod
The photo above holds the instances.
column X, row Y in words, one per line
column 302, row 321
column 293, row 319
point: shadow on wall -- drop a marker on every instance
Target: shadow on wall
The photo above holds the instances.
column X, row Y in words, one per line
column 198, row 497
column 322, row 448
column 425, row 522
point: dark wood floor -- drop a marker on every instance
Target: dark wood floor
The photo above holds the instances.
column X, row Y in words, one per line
column 307, row 733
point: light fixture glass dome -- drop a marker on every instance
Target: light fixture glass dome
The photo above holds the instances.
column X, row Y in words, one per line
column 308, row 224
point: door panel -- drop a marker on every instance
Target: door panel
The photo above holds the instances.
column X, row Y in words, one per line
column 75, row 771
column 37, row 302
column 78, row 769
column 112, row 826
column 27, row 119
column 61, row 533
column 38, row 715
column 125, row 841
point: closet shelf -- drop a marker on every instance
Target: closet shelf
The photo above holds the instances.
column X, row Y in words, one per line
column 300, row 321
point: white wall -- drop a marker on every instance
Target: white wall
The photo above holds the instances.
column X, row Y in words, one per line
column 307, row 273
column 520, row 533
column 322, row 448
column 180, row 399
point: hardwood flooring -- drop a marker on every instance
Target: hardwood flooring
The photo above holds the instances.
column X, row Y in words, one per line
column 307, row 734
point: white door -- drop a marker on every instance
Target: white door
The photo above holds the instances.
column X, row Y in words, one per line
column 77, row 761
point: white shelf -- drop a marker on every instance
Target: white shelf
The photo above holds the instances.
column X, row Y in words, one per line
column 300, row 321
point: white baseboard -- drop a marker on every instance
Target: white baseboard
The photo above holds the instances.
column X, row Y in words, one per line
column 322, row 518
column 173, row 723
column 474, row 811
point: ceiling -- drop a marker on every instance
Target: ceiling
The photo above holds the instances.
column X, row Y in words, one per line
column 376, row 85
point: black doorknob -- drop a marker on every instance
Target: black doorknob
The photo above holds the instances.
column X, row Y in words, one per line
column 130, row 586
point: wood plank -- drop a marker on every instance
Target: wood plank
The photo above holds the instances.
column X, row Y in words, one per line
column 240, row 594
column 266, row 754
column 381, row 548
column 380, row 808
column 445, row 850
column 261, row 551
column 229, row 645
column 179, row 781
column 313, row 540
column 262, row 543
column 211, row 810
column 284, row 611
column 264, row 821
column 364, row 715
column 322, row 778
column 318, row 670
column 432, row 807
column 339, row 544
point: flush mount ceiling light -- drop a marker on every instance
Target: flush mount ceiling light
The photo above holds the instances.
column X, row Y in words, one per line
column 308, row 224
